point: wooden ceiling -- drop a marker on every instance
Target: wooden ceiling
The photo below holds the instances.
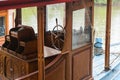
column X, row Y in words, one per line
column 13, row 4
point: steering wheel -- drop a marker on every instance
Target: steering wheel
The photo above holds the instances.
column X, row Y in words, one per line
column 57, row 36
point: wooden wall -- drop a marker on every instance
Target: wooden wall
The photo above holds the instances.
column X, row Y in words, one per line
column 82, row 64
column 77, row 64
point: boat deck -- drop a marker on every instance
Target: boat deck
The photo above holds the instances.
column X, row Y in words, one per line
column 98, row 65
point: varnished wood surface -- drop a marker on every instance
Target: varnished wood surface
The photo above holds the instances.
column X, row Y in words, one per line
column 28, row 63
column 108, row 32
column 41, row 25
column 56, row 67
column 7, row 53
column 48, row 52
column 82, row 57
column 14, row 67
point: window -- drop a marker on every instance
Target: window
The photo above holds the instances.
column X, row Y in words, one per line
column 2, row 26
column 29, row 17
column 55, row 23
column 53, row 12
column 81, row 28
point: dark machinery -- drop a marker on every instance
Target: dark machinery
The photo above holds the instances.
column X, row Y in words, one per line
column 21, row 42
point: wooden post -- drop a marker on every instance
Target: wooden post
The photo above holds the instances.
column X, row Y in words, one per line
column 68, row 40
column 93, row 31
column 108, row 29
column 41, row 20
column 18, row 19
column 92, row 22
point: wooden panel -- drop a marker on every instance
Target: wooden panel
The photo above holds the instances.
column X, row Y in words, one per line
column 58, row 73
column 9, row 69
column 55, row 70
column 82, row 64
column 13, row 67
column 33, row 66
column 16, row 70
column 1, row 67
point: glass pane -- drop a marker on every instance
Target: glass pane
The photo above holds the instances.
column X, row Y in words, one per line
column 29, row 17
column 55, row 23
column 81, row 28
column 55, row 11
column 2, row 26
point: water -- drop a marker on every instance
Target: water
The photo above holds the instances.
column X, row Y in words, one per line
column 100, row 23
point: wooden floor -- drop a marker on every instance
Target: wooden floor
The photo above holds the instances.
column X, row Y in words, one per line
column 98, row 65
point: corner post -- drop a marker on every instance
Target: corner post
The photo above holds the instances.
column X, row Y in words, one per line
column 108, row 31
column 41, row 61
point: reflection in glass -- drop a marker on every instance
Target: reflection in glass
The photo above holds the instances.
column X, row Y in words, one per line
column 81, row 28
column 2, row 26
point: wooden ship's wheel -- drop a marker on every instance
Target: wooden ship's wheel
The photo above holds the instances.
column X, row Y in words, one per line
column 57, row 36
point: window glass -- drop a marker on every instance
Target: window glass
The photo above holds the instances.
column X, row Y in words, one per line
column 29, row 17
column 55, row 11
column 2, row 26
column 55, row 23
column 81, row 28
